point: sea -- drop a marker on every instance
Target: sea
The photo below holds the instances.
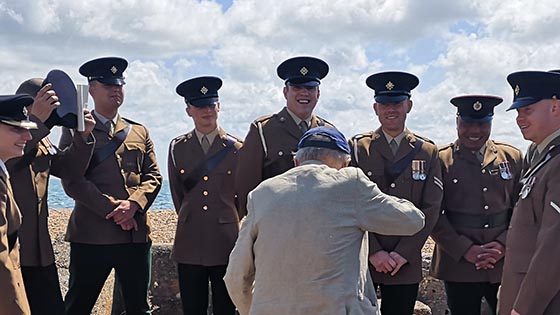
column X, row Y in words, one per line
column 59, row 200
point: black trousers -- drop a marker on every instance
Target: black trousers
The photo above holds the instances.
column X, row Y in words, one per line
column 43, row 290
column 90, row 266
column 464, row 298
column 193, row 283
column 398, row 299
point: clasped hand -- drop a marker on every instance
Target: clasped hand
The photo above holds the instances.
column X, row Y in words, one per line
column 387, row 262
column 485, row 256
column 123, row 214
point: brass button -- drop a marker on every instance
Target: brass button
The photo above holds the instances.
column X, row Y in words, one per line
column 280, row 153
column 369, row 173
column 182, row 171
column 486, row 207
column 228, row 172
column 205, row 193
column 486, row 225
column 484, row 189
column 455, row 180
column 205, row 178
column 483, row 171
column 393, row 185
column 205, row 207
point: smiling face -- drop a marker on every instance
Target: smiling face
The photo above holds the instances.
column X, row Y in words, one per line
column 13, row 141
column 301, row 100
column 107, row 98
column 538, row 120
column 473, row 134
column 392, row 116
column 205, row 118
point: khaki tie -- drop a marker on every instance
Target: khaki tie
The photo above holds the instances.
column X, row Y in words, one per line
column 303, row 126
column 110, row 127
column 394, row 146
column 205, row 143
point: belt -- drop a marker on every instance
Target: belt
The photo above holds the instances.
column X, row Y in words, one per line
column 478, row 221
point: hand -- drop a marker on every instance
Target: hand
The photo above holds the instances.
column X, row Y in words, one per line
column 129, row 225
column 382, row 261
column 401, row 261
column 514, row 312
column 45, row 102
column 89, row 123
column 124, row 211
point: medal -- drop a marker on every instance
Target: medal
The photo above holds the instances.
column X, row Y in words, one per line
column 505, row 170
column 527, row 186
column 418, row 170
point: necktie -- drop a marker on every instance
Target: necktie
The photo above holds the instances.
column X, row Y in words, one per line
column 394, row 146
column 303, row 126
column 110, row 128
column 535, row 158
column 205, row 143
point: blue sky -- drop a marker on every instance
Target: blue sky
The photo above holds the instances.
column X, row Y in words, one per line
column 454, row 47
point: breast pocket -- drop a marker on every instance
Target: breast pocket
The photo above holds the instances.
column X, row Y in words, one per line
column 131, row 160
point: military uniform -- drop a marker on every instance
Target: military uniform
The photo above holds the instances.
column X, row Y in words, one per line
column 268, row 147
column 13, row 300
column 129, row 172
column 201, row 180
column 530, row 282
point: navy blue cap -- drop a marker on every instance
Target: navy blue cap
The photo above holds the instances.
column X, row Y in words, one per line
column 30, row 87
column 200, row 91
column 107, row 70
column 13, row 110
column 303, row 71
column 555, row 70
column 66, row 114
column 392, row 86
column 530, row 87
column 476, row 108
column 334, row 139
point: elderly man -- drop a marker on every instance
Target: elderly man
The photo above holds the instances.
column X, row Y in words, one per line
column 471, row 232
column 531, row 278
column 14, row 133
column 311, row 257
column 109, row 227
column 267, row 148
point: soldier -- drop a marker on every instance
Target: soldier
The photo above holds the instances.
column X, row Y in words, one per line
column 201, row 166
column 267, row 150
column 530, row 277
column 481, row 186
column 108, row 227
column 14, row 133
column 30, row 178
column 405, row 165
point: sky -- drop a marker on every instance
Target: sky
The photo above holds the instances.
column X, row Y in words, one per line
column 455, row 48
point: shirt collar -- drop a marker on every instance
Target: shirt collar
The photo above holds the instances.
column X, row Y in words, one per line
column 3, row 167
column 397, row 139
column 297, row 120
column 542, row 146
column 103, row 120
column 210, row 135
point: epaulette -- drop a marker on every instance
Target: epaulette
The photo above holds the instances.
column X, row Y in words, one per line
column 263, row 118
column 506, row 145
column 323, row 122
column 359, row 136
column 179, row 138
column 131, row 121
column 445, row 147
column 235, row 137
column 424, row 138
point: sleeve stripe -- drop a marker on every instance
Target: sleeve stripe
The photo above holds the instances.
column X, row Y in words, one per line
column 555, row 206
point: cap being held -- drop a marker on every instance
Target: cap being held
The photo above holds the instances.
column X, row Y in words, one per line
column 530, row 87
column 200, row 91
column 476, row 108
column 30, row 87
column 302, row 71
column 107, row 70
column 13, row 111
column 332, row 139
column 392, row 86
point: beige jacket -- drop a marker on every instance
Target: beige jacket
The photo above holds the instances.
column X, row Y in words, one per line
column 303, row 246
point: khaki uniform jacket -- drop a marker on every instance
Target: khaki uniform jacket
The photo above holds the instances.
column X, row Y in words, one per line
column 371, row 153
column 131, row 173
column 208, row 222
column 30, row 186
column 303, row 246
column 13, row 300
column 267, row 151
column 478, row 189
column 531, row 277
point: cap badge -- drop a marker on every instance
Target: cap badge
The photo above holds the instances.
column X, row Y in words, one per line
column 517, row 90
column 303, row 71
column 204, row 90
column 25, row 113
column 389, row 85
column 477, row 106
column 114, row 69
